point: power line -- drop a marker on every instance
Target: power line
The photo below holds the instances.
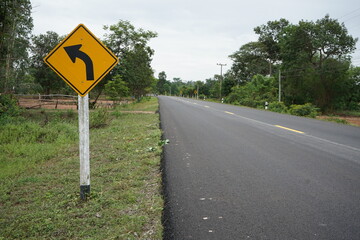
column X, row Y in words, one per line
column 349, row 13
column 351, row 18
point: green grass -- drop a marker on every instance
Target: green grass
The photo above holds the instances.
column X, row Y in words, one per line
column 145, row 104
column 349, row 113
column 335, row 119
column 39, row 191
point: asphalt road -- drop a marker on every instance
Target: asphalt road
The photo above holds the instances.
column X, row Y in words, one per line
column 239, row 173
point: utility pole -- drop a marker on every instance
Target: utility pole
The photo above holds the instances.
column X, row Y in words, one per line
column 221, row 65
column 279, row 85
column 197, row 92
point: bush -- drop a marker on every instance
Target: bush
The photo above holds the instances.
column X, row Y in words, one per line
column 279, row 107
column 8, row 106
column 202, row 96
column 306, row 110
column 99, row 118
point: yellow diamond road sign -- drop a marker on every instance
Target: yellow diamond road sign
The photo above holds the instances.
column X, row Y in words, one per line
column 81, row 60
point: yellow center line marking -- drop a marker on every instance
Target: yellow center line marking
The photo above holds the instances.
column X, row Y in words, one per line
column 229, row 112
column 289, row 129
column 206, row 106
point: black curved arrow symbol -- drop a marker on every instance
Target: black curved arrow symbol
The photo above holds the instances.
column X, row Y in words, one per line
column 74, row 52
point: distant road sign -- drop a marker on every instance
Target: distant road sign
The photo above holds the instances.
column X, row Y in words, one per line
column 81, row 60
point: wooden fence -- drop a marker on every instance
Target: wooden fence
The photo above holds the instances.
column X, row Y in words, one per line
column 55, row 101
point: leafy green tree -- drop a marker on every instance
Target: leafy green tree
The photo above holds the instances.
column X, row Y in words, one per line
column 167, row 88
column 176, row 84
column 116, row 88
column 207, row 86
column 41, row 45
column 254, row 93
column 199, row 87
column 269, row 37
column 248, row 61
column 137, row 72
column 123, row 37
column 160, row 84
column 130, row 45
column 315, row 58
column 350, row 97
column 15, row 28
column 228, row 83
column 214, row 89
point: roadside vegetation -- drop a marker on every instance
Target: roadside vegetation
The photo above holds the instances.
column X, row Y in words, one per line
column 39, row 177
column 307, row 63
column 310, row 60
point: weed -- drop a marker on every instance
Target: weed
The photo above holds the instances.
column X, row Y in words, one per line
column 70, row 114
column 146, row 104
column 163, row 142
column 337, row 120
column 39, row 194
column 99, row 118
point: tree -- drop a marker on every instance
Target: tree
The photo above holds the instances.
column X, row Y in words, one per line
column 167, row 88
column 248, row 61
column 41, row 45
column 15, row 29
column 116, row 88
column 136, row 71
column 315, row 58
column 123, row 37
column 130, row 45
column 214, row 86
column 160, row 84
column 176, row 85
column 350, row 97
column 269, row 36
column 199, row 87
column 254, row 93
column 228, row 83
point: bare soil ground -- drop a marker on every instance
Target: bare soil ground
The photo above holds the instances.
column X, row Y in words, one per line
column 351, row 120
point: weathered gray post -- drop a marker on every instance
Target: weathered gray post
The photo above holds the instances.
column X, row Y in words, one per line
column 84, row 148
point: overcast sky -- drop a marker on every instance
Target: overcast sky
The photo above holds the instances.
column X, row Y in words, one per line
column 193, row 35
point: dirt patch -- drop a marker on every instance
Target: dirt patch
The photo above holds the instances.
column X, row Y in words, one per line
column 351, row 120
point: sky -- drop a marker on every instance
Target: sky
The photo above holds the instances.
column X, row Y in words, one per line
column 193, row 35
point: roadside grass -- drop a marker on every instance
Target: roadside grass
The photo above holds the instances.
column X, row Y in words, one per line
column 349, row 113
column 145, row 104
column 340, row 117
column 333, row 119
column 39, row 191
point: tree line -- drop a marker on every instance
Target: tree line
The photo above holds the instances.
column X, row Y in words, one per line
column 311, row 61
column 22, row 69
column 304, row 63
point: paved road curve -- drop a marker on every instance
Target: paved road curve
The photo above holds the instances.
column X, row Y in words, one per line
column 239, row 173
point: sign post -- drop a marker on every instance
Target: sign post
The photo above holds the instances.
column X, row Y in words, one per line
column 84, row 148
column 82, row 61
